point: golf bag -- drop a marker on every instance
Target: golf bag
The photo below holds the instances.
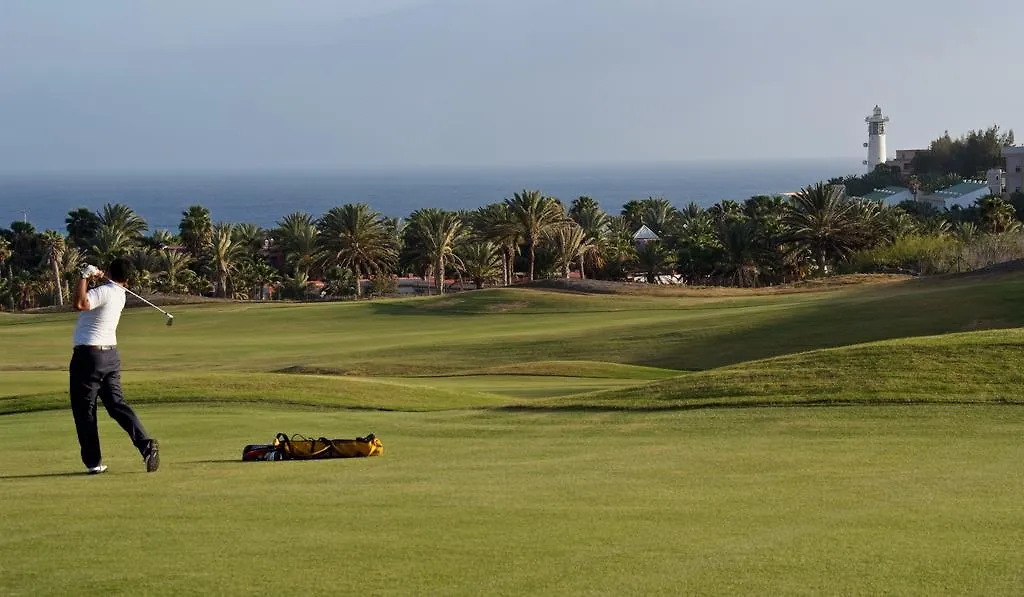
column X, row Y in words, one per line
column 298, row 447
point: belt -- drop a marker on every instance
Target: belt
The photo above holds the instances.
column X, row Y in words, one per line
column 96, row 346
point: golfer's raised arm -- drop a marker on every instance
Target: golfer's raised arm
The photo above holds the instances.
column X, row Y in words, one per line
column 82, row 290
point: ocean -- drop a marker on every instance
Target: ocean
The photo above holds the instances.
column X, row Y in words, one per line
column 263, row 198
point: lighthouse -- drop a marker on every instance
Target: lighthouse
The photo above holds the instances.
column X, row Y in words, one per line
column 876, row 139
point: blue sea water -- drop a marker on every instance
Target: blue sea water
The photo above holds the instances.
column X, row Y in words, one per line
column 263, row 198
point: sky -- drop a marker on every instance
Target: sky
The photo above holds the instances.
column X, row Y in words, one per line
column 152, row 85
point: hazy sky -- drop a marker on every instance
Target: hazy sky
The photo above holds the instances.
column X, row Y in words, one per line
column 237, row 84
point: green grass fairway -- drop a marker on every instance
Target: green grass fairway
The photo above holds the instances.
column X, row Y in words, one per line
column 897, row 500
column 858, row 439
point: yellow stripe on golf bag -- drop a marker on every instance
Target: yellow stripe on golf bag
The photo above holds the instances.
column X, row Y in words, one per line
column 298, row 447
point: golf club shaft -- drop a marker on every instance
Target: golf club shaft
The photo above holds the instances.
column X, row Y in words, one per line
column 140, row 298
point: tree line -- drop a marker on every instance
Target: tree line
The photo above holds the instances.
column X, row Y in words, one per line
column 352, row 249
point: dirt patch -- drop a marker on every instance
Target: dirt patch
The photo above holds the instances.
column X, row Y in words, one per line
column 506, row 307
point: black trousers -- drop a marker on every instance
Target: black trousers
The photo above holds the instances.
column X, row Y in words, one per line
column 96, row 372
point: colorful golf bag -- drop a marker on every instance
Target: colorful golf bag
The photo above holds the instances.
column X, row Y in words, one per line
column 298, row 447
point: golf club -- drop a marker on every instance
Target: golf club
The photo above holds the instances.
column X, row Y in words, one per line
column 170, row 318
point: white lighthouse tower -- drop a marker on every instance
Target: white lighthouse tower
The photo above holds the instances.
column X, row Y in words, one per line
column 876, row 139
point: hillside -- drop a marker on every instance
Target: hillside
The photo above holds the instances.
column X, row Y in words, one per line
column 556, row 349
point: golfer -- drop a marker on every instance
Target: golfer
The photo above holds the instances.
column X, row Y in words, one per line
column 96, row 368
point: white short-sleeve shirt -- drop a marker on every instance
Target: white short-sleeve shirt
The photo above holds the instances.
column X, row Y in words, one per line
column 98, row 325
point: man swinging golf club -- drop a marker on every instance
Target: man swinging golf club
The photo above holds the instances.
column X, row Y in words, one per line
column 96, row 367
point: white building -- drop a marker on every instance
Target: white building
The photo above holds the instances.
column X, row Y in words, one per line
column 963, row 194
column 876, row 139
column 1014, row 179
column 890, row 195
column 644, row 236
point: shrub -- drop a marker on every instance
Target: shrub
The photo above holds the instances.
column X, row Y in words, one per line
column 919, row 254
column 383, row 286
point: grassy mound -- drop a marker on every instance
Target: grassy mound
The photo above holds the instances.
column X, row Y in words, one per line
column 463, row 350
column 979, row 367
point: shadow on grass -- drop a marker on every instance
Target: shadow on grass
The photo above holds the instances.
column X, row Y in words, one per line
column 56, row 475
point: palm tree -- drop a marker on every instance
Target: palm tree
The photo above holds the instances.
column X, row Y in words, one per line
column 482, row 262
column 654, row 258
column 618, row 249
column 70, row 265
column 659, row 215
column 594, row 223
column 357, row 238
column 581, row 205
column 5, row 253
column 997, row 214
column 297, row 234
column 569, row 243
column 225, row 253
column 81, row 225
column 534, row 214
column 494, row 223
column 124, row 219
column 196, row 229
column 161, row 239
column 54, row 245
column 821, row 221
column 965, row 232
column 262, row 275
column 437, row 231
column 111, row 242
column 174, row 265
column 145, row 263
column 741, row 247
column 250, row 237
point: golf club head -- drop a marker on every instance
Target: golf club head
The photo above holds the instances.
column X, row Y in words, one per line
column 170, row 320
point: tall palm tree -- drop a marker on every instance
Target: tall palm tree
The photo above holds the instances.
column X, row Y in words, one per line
column 54, row 245
column 534, row 214
column 594, row 223
column 821, row 221
column 196, row 229
column 357, row 238
column 659, row 215
column 250, row 237
column 174, row 264
column 482, row 262
column 81, row 225
column 581, row 205
column 741, row 250
column 297, row 238
column 569, row 243
column 697, row 241
column 225, row 254
column 110, row 242
column 437, row 231
column 124, row 219
column 618, row 249
column 494, row 223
